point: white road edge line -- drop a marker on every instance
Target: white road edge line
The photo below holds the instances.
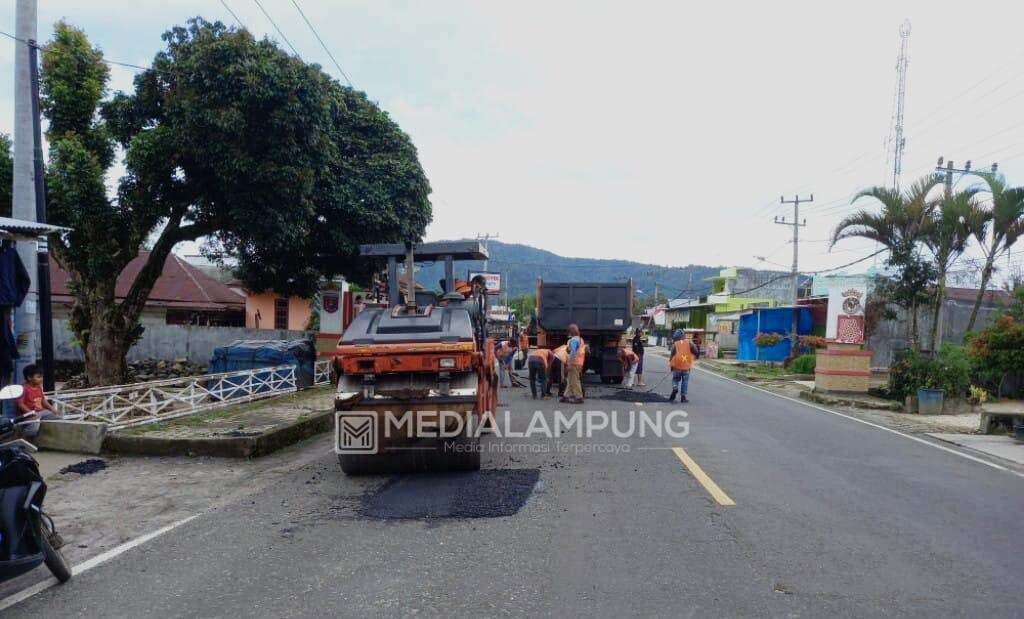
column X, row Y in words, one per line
column 867, row 423
column 88, row 564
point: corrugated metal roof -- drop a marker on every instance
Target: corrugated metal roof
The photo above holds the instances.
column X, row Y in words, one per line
column 24, row 226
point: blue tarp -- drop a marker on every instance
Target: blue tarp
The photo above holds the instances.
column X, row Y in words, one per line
column 769, row 320
column 253, row 354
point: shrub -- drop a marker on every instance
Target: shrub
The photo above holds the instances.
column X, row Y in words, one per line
column 950, row 371
column 907, row 374
column 998, row 351
column 804, row 364
column 977, row 395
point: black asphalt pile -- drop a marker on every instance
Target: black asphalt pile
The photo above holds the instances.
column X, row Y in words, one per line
column 490, row 493
column 626, row 395
column 86, row 467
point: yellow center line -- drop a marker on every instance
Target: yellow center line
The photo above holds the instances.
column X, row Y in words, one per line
column 702, row 477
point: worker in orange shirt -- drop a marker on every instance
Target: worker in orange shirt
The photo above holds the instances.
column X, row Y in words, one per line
column 557, row 369
column 684, row 351
column 577, row 359
column 538, row 363
column 524, row 341
column 629, row 360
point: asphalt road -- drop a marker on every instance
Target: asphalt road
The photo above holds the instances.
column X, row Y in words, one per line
column 831, row 518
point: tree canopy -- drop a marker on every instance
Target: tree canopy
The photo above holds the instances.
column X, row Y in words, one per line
column 225, row 138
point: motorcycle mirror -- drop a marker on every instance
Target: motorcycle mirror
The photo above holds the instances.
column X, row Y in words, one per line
column 11, row 392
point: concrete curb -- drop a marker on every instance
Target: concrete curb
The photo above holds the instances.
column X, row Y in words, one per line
column 221, row 447
column 852, row 402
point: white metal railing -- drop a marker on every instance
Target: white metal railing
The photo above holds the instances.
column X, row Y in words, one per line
column 124, row 406
column 322, row 372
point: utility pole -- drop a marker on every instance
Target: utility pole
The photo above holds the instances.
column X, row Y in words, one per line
column 485, row 238
column 42, row 246
column 24, row 185
column 949, row 170
column 796, row 224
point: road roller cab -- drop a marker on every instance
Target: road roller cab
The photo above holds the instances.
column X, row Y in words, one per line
column 416, row 378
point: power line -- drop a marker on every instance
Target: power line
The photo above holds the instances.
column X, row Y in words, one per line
column 322, row 44
column 274, row 24
column 224, row 2
column 51, row 51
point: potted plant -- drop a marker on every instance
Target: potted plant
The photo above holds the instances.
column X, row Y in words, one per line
column 930, row 398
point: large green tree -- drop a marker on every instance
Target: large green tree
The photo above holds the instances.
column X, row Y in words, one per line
column 225, row 138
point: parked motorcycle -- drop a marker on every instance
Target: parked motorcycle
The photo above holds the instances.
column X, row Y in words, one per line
column 28, row 536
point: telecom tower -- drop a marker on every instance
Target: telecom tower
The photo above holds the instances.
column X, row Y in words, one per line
column 901, row 88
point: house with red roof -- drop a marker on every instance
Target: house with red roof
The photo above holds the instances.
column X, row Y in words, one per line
column 182, row 295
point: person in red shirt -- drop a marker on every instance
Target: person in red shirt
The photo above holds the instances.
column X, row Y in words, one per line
column 32, row 405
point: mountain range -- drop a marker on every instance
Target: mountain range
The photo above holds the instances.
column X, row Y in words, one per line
column 521, row 265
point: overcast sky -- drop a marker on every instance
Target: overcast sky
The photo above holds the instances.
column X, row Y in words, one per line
column 658, row 132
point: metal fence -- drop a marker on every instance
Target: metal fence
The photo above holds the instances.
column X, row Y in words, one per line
column 322, row 372
column 125, row 406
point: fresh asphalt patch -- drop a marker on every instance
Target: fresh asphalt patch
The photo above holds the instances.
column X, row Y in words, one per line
column 629, row 395
column 490, row 493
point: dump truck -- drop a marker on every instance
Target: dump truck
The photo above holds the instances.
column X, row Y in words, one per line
column 602, row 311
column 416, row 378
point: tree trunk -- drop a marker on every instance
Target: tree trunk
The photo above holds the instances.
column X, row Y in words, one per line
column 940, row 296
column 105, row 353
column 986, row 275
column 106, row 342
column 913, row 328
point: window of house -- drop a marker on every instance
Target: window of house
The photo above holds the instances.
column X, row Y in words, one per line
column 280, row 313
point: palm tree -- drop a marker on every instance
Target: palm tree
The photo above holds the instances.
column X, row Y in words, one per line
column 898, row 227
column 1006, row 214
column 947, row 231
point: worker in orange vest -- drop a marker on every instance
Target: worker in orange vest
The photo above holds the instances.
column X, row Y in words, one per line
column 577, row 358
column 683, row 353
column 538, row 363
column 524, row 341
column 629, row 360
column 557, row 369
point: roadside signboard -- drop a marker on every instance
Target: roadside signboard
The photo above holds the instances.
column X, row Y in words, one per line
column 491, row 280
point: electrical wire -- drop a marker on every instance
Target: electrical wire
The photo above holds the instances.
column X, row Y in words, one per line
column 274, row 24
column 103, row 60
column 322, row 44
column 224, row 2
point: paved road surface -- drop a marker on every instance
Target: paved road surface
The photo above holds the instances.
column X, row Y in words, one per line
column 831, row 518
